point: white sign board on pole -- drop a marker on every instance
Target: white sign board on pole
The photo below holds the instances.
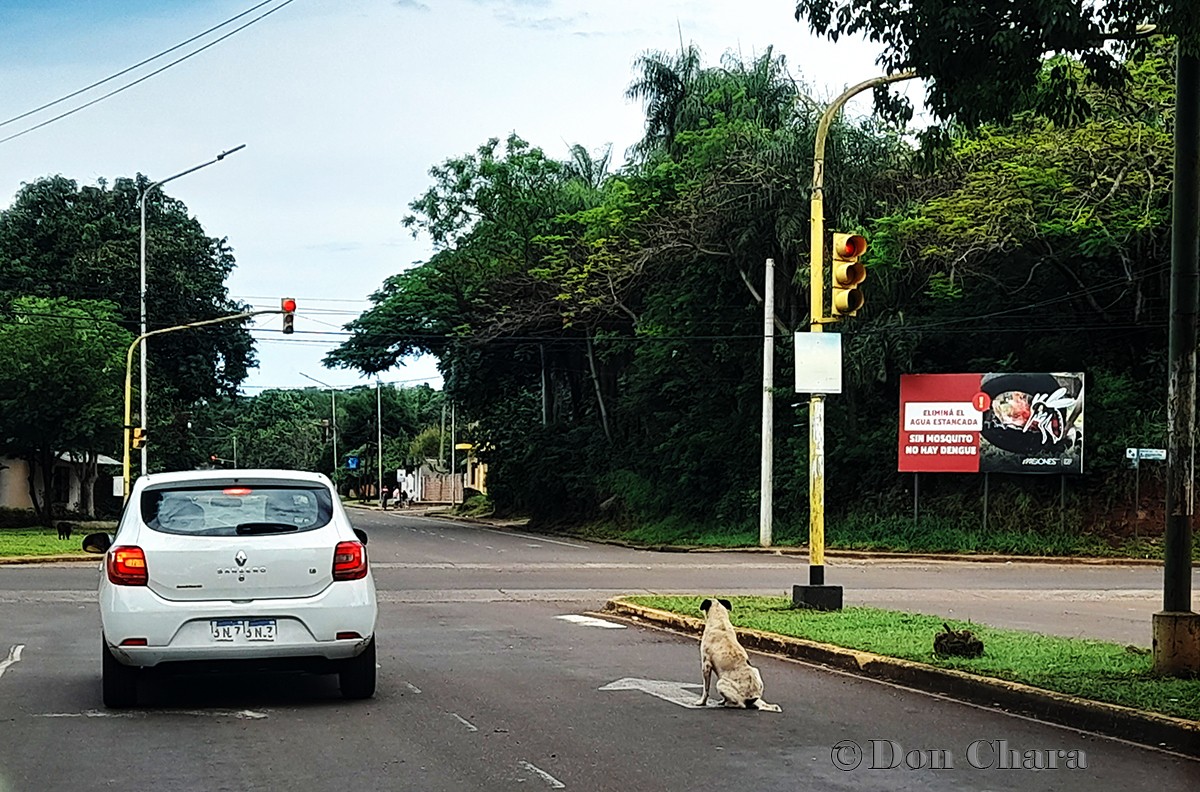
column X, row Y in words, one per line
column 818, row 362
column 118, row 489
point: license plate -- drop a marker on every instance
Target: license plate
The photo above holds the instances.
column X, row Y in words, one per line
column 238, row 630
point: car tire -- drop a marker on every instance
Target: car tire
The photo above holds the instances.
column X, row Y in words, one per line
column 119, row 681
column 356, row 677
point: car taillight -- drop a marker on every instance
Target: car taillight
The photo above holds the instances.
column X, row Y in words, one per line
column 349, row 561
column 127, row 566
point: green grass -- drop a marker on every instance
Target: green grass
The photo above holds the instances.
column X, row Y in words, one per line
column 45, row 541
column 1091, row 669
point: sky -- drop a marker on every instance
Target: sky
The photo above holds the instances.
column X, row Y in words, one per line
column 343, row 106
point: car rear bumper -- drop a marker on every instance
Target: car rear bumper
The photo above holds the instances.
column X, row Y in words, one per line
column 180, row 631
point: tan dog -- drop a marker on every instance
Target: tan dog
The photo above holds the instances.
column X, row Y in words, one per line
column 738, row 682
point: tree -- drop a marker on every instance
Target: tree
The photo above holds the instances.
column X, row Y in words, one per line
column 62, row 365
column 58, row 239
column 984, row 61
column 597, row 330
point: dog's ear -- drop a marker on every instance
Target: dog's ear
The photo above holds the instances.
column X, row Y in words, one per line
column 704, row 606
column 728, row 605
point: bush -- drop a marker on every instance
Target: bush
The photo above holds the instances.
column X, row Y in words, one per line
column 18, row 518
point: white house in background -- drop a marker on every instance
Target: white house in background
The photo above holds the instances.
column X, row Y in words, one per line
column 67, row 489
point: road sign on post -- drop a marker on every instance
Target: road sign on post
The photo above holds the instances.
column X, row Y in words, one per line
column 352, row 463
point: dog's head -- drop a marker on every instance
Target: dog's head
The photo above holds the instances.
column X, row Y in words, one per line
column 722, row 604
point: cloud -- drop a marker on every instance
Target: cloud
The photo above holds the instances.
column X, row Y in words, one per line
column 417, row 4
column 539, row 23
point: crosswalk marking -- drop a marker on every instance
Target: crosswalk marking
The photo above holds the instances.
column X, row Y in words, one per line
column 590, row 621
column 14, row 656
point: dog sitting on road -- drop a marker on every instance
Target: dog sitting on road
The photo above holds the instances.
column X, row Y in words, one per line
column 738, row 682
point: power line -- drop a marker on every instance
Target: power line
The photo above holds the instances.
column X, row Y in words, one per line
column 301, row 299
column 146, row 77
column 125, row 71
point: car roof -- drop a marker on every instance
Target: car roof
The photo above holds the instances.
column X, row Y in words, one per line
column 240, row 474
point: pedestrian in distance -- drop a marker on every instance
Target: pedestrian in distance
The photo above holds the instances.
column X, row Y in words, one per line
column 384, row 494
column 401, row 497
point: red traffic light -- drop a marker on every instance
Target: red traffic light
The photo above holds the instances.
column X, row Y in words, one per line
column 288, row 304
column 849, row 245
column 213, row 457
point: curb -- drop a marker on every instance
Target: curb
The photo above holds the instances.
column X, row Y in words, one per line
column 49, row 559
column 1112, row 720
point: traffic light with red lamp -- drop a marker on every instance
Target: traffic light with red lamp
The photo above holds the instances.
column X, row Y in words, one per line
column 288, row 305
column 848, row 274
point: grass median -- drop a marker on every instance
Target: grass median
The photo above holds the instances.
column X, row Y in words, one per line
column 1090, row 669
column 45, row 542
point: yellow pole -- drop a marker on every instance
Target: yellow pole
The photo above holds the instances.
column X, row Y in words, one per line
column 129, row 380
column 816, row 407
column 128, row 417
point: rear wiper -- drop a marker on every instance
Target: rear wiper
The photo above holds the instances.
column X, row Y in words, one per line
column 244, row 529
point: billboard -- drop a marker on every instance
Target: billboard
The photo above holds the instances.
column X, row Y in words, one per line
column 991, row 423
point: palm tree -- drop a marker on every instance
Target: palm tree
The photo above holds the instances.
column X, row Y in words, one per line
column 680, row 94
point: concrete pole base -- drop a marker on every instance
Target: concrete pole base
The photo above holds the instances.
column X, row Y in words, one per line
column 1177, row 643
column 821, row 597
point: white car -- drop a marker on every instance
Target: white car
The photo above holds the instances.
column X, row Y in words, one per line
column 235, row 568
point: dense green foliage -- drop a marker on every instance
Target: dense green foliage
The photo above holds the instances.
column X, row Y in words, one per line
column 294, row 429
column 983, row 61
column 61, row 240
column 603, row 332
column 61, row 375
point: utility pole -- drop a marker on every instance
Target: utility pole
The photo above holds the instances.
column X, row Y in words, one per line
column 379, row 426
column 767, row 478
column 1176, row 629
column 332, row 418
column 453, row 458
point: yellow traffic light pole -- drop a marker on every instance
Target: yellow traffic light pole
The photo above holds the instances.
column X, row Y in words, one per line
column 816, row 408
column 129, row 380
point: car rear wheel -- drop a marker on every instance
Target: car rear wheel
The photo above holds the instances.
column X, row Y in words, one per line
column 356, row 677
column 120, row 681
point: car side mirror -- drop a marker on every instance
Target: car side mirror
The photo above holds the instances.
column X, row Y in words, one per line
column 361, row 534
column 97, row 543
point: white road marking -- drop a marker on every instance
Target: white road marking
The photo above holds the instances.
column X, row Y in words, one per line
column 550, row 780
column 590, row 621
column 531, row 538
column 14, row 656
column 470, row 726
column 412, row 687
column 674, row 692
column 239, row 714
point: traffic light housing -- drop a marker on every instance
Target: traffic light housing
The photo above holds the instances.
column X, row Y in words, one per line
column 848, row 274
column 139, row 437
column 288, row 306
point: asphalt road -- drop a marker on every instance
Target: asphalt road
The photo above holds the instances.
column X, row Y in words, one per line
column 484, row 686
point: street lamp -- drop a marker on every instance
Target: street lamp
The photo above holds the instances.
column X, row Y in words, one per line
column 142, row 268
column 332, row 413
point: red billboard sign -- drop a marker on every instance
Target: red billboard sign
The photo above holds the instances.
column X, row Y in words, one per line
column 991, row 423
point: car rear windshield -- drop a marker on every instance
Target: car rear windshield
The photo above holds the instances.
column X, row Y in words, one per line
column 236, row 509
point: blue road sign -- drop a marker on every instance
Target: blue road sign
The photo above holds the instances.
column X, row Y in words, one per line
column 352, row 463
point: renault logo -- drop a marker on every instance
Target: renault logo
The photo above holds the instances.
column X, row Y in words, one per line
column 240, row 558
